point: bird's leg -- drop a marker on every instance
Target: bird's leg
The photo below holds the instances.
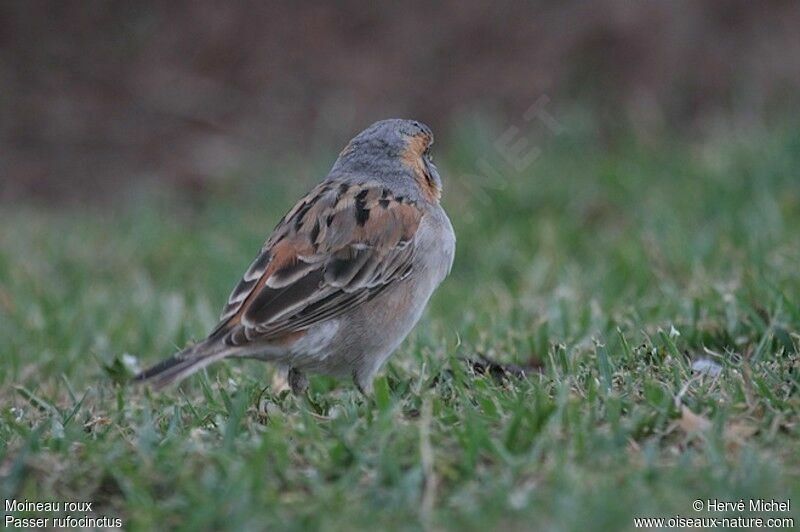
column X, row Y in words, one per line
column 298, row 382
column 280, row 379
column 363, row 383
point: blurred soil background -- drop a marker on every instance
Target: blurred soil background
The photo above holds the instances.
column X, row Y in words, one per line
column 97, row 96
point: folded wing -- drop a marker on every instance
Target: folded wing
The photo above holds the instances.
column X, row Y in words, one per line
column 339, row 246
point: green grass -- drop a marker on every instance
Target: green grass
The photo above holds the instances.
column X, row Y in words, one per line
column 612, row 268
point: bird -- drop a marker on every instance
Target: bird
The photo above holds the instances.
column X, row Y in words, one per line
column 345, row 275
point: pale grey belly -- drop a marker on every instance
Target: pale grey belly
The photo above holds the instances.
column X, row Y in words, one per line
column 368, row 335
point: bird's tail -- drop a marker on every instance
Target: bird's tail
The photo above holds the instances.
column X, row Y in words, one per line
column 182, row 364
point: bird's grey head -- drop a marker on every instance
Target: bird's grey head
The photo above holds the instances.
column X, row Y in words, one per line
column 393, row 149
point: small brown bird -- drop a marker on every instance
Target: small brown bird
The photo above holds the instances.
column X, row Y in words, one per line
column 347, row 272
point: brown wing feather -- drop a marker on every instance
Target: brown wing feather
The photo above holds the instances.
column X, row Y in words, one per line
column 338, row 247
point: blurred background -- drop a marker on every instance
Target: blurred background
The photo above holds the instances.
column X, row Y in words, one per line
column 98, row 96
